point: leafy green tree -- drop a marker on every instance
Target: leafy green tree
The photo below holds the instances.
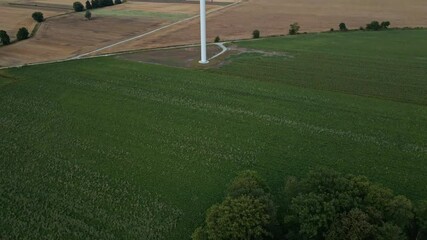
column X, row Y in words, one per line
column 343, row 27
column 95, row 4
column 294, row 28
column 200, row 234
column 248, row 183
column 327, row 202
column 256, row 34
column 385, row 25
column 4, row 37
column 248, row 211
column 22, row 34
column 374, row 25
column 354, row 225
column 106, row 3
column 217, row 39
column 88, row 15
column 245, row 217
column 78, row 7
column 88, row 5
column 38, row 16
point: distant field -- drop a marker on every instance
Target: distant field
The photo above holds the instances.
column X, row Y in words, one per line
column 140, row 13
column 109, row 148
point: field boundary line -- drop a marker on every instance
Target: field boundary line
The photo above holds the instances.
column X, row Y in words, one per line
column 154, row 31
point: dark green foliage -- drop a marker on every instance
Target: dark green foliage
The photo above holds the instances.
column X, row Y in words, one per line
column 200, row 234
column 95, row 4
column 294, row 28
column 256, row 34
column 4, row 37
column 385, row 25
column 244, row 217
column 117, row 1
column 248, row 211
column 374, row 25
column 327, row 202
column 248, row 183
column 331, row 30
column 38, row 16
column 106, row 3
column 88, row 15
column 88, row 5
column 22, row 34
column 78, row 7
column 217, row 39
column 343, row 27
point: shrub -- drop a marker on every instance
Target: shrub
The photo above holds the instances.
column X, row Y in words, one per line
column 294, row 28
column 78, row 7
column 117, row 1
column 217, row 39
column 245, row 217
column 38, row 16
column 4, row 37
column 95, row 4
column 22, row 34
column 88, row 5
column 374, row 25
column 106, row 3
column 346, row 207
column 343, row 27
column 88, row 15
column 361, row 28
column 248, row 211
column 256, row 34
column 331, row 30
column 385, row 25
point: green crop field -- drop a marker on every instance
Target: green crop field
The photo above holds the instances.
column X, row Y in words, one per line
column 107, row 148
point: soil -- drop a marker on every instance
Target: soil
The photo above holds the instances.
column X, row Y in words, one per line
column 178, row 57
column 273, row 17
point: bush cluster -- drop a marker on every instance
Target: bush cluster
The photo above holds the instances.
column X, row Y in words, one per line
column 375, row 25
column 247, row 212
column 4, row 37
column 92, row 4
column 324, row 205
column 22, row 34
column 38, row 17
column 294, row 28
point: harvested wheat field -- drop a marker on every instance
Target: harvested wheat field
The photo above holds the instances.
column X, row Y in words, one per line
column 274, row 16
column 13, row 18
column 70, row 35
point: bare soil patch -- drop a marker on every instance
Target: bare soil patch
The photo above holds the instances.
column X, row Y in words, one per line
column 273, row 17
column 12, row 18
column 70, row 35
column 178, row 57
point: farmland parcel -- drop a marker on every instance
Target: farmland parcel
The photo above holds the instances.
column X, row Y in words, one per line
column 109, row 148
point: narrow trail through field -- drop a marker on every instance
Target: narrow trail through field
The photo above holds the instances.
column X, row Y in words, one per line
column 224, row 49
column 153, row 31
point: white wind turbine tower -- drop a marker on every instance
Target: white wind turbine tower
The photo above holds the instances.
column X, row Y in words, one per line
column 203, row 59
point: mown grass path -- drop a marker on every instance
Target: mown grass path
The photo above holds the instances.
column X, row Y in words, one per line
column 109, row 148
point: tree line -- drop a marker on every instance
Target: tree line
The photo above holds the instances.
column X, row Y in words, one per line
column 323, row 205
column 93, row 4
column 23, row 32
